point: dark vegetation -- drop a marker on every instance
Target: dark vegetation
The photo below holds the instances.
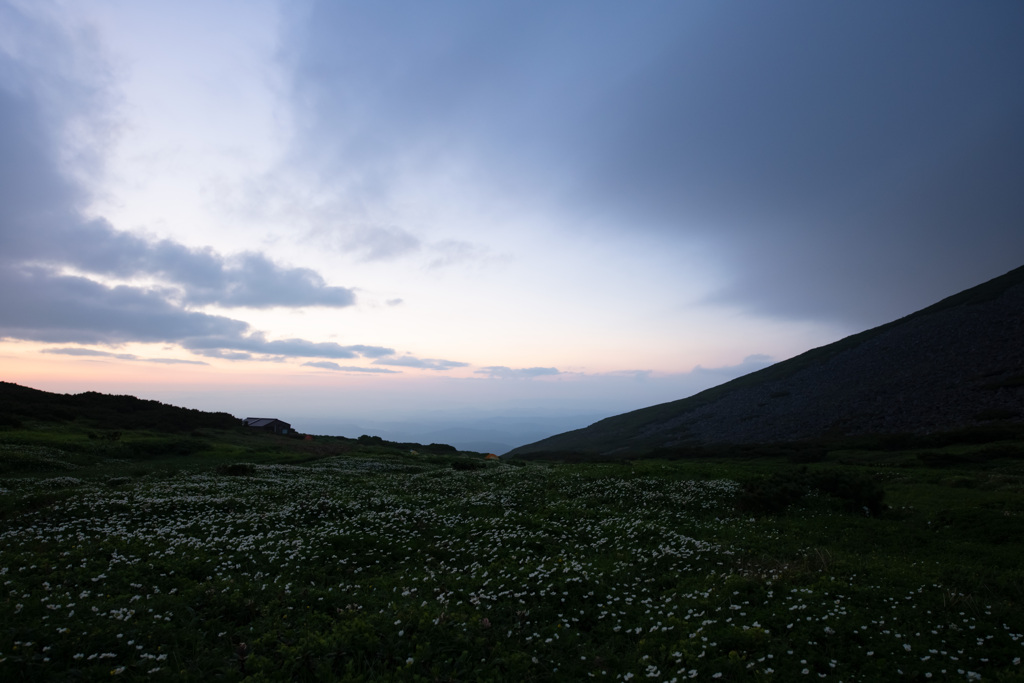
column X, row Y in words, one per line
column 366, row 440
column 996, row 440
column 93, row 425
column 775, row 493
column 212, row 551
column 855, row 513
column 19, row 405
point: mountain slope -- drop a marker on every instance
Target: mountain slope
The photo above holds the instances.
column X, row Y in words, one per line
column 105, row 411
column 957, row 363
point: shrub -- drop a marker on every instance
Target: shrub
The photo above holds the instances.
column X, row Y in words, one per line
column 772, row 495
column 468, row 465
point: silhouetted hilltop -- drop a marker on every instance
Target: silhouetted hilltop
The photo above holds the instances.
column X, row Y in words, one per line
column 21, row 406
column 956, row 364
column 104, row 411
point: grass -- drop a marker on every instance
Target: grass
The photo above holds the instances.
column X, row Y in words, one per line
column 241, row 556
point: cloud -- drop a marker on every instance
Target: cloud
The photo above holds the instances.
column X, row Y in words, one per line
column 230, row 355
column 173, row 361
column 66, row 278
column 456, row 252
column 257, row 343
column 41, row 306
column 502, row 372
column 751, row 363
column 424, row 363
column 608, row 393
column 75, row 351
column 833, row 181
column 190, row 277
column 380, row 244
column 329, row 365
column 53, row 308
column 254, row 281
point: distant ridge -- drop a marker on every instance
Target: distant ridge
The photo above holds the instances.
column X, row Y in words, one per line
column 955, row 364
column 105, row 411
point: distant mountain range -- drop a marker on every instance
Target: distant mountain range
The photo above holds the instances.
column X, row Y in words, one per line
column 956, row 364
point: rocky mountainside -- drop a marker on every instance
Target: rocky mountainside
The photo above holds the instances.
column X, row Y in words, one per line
column 955, row 364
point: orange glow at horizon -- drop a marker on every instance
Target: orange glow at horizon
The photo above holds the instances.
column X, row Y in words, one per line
column 27, row 364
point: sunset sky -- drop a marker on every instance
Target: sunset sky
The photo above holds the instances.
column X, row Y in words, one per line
column 346, row 214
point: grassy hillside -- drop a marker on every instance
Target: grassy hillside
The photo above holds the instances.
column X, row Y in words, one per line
column 626, row 432
column 20, row 404
column 256, row 557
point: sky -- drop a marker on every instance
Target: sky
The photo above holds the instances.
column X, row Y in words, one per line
column 411, row 216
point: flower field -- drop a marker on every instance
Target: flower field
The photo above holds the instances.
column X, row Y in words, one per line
column 389, row 567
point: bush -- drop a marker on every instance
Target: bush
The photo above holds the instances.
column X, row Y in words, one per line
column 857, row 492
column 468, row 465
column 772, row 495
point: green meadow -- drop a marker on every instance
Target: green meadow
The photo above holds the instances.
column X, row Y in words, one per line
column 225, row 555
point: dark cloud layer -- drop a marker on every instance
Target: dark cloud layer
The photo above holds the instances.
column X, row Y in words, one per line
column 39, row 305
column 844, row 160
